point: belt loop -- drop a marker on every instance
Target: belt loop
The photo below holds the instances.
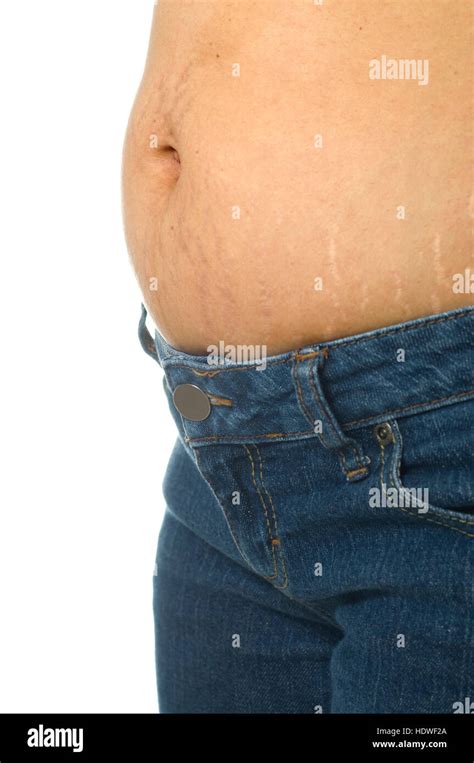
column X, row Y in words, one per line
column 315, row 407
column 146, row 340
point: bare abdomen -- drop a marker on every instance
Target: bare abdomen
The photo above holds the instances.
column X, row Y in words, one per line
column 309, row 202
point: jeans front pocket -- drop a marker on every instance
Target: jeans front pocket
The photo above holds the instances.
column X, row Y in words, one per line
column 426, row 466
column 237, row 476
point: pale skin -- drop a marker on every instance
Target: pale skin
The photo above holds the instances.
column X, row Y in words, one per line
column 276, row 195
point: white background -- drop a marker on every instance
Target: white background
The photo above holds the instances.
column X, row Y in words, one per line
column 85, row 428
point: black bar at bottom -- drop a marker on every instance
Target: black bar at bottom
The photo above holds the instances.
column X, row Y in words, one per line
column 144, row 737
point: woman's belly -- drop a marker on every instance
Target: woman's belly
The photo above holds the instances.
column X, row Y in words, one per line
column 275, row 194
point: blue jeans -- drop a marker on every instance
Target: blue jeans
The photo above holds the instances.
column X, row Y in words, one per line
column 316, row 550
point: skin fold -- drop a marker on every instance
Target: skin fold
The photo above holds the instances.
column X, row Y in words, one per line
column 274, row 194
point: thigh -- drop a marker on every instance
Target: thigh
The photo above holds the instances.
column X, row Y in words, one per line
column 407, row 651
column 227, row 641
column 408, row 645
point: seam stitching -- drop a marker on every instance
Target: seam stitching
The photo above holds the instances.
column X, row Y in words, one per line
column 348, row 424
column 299, row 393
column 397, row 483
column 267, row 521
column 406, row 328
column 324, row 347
column 409, row 407
column 170, row 366
column 249, row 436
column 280, row 549
column 339, row 451
column 227, row 516
column 415, row 514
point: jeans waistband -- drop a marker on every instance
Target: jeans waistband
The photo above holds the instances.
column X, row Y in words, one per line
column 348, row 383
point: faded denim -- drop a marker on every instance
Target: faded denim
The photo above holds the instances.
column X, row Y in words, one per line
column 294, row 572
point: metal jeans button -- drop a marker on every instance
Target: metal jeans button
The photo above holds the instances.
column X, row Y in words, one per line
column 192, row 402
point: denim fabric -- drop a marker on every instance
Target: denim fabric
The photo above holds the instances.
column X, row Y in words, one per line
column 316, row 550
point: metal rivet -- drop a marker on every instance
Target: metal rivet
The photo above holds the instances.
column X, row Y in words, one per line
column 383, row 433
column 192, row 402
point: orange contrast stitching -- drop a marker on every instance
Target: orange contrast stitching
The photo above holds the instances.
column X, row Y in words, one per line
column 397, row 483
column 300, row 393
column 353, row 472
column 435, row 521
column 403, row 328
column 247, row 436
column 414, row 513
column 222, row 370
column 275, row 541
column 409, row 407
column 323, row 348
column 202, row 373
column 339, row 452
column 344, row 425
column 220, row 400
column 304, row 356
column 270, row 534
